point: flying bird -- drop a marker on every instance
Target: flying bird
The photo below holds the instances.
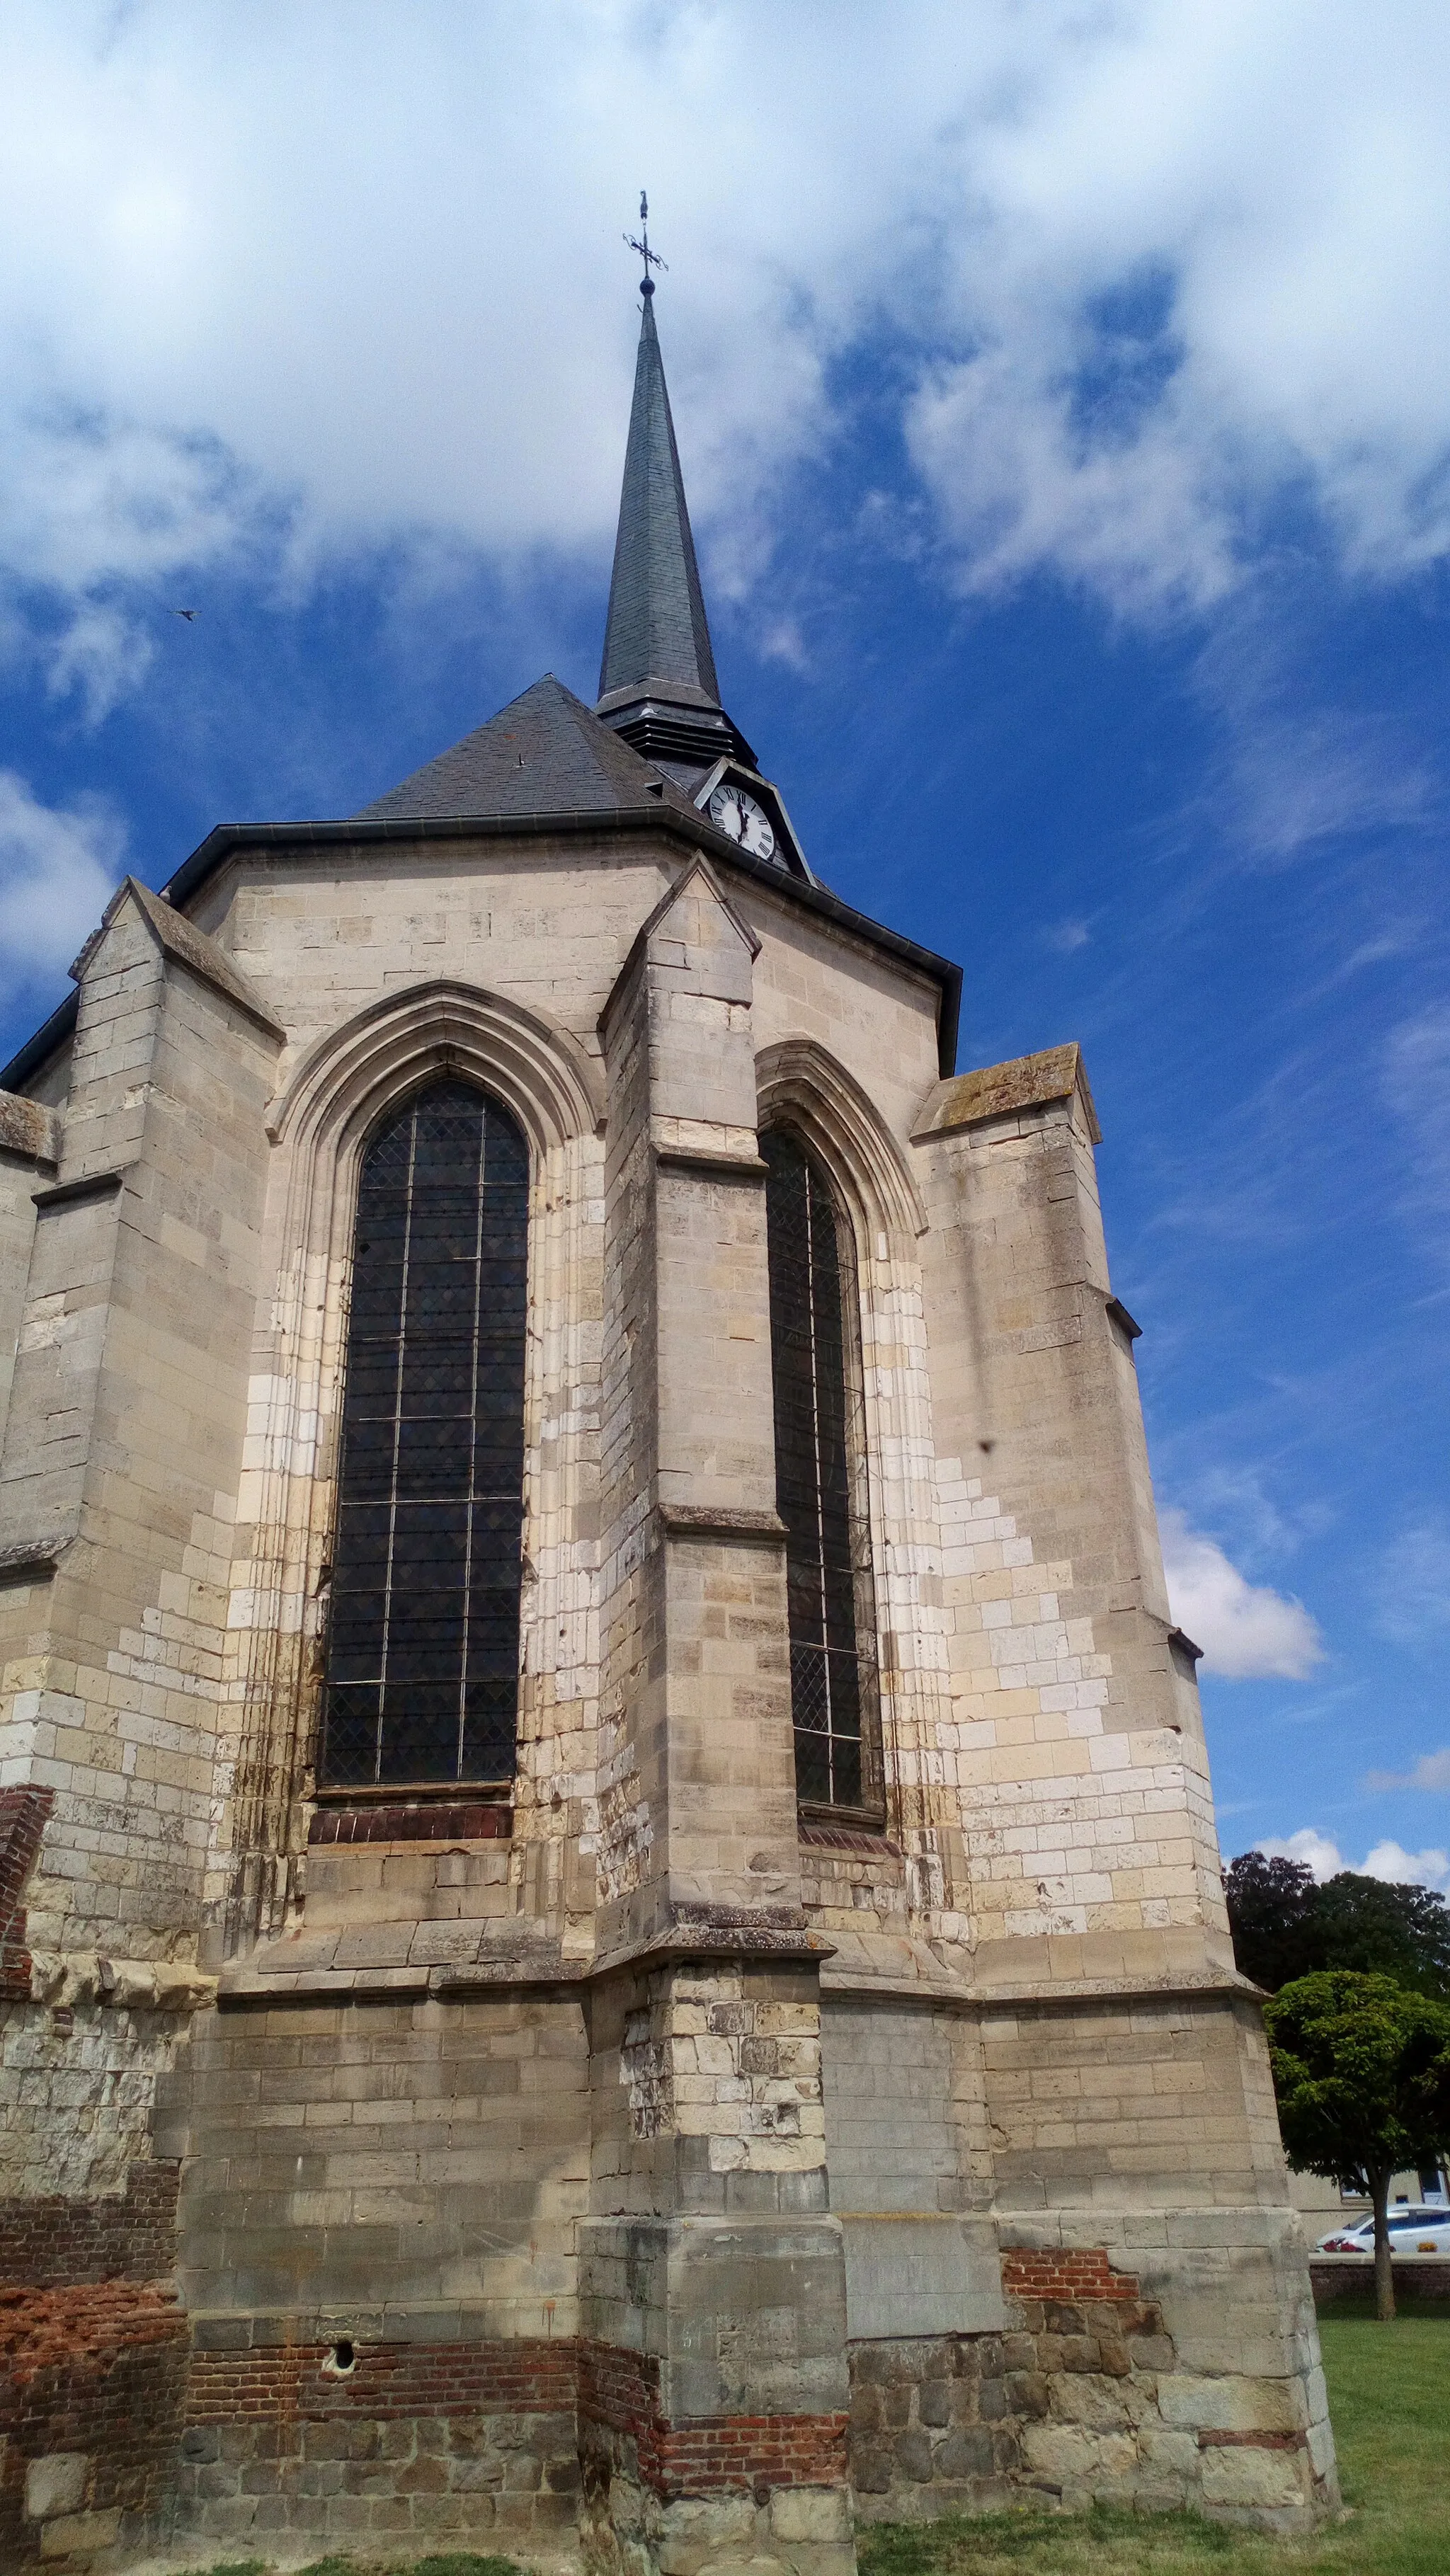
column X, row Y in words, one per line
column 187, row 613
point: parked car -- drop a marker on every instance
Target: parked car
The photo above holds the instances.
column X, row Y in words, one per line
column 1419, row 2228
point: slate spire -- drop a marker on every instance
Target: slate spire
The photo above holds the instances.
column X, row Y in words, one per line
column 657, row 683
column 657, row 629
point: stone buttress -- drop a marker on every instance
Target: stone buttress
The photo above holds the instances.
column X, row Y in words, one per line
column 612, row 2149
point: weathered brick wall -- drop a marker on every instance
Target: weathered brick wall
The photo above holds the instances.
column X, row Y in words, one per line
column 52, row 2242
column 93, row 2353
column 91, row 2385
column 414, row 2440
column 434, row 2441
column 622, row 2425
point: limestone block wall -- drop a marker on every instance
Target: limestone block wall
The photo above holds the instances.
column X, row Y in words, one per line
column 696, row 1754
column 542, row 2141
column 1132, row 2103
column 387, row 2171
column 121, row 1441
column 1075, row 1722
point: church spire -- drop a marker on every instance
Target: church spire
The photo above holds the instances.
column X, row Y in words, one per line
column 657, row 683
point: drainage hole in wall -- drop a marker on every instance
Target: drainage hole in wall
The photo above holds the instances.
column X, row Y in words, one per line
column 342, row 2357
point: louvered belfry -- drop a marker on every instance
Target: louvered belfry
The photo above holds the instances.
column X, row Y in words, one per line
column 614, row 1940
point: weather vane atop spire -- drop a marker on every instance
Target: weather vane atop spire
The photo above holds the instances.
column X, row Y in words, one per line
column 650, row 257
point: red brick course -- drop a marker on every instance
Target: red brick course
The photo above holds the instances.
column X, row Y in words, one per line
column 619, row 2397
column 388, row 2382
column 82, row 2327
column 94, row 2367
column 612, row 2390
column 123, row 2236
column 1066, row 2276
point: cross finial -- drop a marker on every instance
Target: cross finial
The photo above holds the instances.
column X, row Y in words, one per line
column 650, row 257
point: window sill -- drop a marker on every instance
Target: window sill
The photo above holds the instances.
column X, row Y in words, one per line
column 408, row 1820
column 416, row 1793
column 846, row 1829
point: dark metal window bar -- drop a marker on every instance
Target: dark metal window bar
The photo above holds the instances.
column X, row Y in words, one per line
column 820, row 1473
column 423, row 1632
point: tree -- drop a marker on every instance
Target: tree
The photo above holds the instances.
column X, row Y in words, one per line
column 1284, row 1926
column 1362, row 2073
column 1384, row 1929
column 1270, row 1910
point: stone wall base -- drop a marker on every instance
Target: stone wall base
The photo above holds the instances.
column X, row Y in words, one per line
column 124, row 2430
column 395, row 2442
column 1082, row 2400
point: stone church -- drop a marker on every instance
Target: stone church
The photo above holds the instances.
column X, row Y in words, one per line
column 612, row 1926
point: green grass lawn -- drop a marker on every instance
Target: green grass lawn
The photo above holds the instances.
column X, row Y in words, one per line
column 1389, row 2394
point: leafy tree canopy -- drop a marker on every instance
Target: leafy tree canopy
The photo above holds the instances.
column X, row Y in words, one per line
column 1285, row 1926
column 1361, row 2070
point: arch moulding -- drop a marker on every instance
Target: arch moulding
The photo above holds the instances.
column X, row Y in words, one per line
column 799, row 1077
column 535, row 1066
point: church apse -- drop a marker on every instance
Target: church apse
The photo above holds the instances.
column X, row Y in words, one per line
column 614, row 1927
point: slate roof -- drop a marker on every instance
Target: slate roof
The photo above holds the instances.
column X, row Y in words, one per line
column 545, row 753
column 657, row 629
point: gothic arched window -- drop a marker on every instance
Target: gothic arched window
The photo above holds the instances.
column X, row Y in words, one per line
column 423, row 1637
column 820, row 1478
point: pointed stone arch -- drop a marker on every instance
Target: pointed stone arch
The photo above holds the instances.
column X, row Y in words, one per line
column 535, row 1065
column 320, row 1125
column 801, row 1084
column 801, row 1081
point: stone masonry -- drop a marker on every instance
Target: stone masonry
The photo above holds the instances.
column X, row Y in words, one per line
column 620, row 2153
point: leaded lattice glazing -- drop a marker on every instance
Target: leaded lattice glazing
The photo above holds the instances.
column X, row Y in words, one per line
column 423, row 1633
column 820, row 1467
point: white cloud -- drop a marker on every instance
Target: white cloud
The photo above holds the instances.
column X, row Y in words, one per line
column 1148, row 265
column 1247, row 1631
column 57, row 869
column 1387, row 1860
column 1309, row 1847
column 1431, row 1772
column 1391, row 1860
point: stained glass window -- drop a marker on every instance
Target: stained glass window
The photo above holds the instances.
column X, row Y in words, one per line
column 423, row 1633
column 820, row 1466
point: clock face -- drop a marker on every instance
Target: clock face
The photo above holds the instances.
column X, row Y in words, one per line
column 745, row 821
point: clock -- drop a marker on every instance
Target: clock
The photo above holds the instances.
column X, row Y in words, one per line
column 732, row 811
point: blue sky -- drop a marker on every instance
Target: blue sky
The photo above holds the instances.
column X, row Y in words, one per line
column 1064, row 395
